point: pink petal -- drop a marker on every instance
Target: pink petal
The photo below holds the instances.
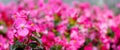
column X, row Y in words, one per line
column 23, row 32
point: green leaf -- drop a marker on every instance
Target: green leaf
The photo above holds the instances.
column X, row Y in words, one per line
column 67, row 35
column 56, row 32
column 37, row 34
column 87, row 41
column 56, row 47
column 59, row 47
column 33, row 45
column 17, row 45
column 36, row 39
column 2, row 33
column 37, row 45
column 38, row 49
column 72, row 22
column 11, row 47
column 57, row 19
column 110, row 33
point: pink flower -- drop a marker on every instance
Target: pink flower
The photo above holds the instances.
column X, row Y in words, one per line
column 48, row 40
column 76, row 39
column 3, row 43
column 21, row 26
column 23, row 32
column 10, row 34
column 116, row 30
column 103, row 48
column 88, row 47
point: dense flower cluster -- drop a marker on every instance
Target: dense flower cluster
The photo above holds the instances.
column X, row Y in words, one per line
column 54, row 25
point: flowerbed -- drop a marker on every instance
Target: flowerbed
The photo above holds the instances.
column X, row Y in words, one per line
column 55, row 25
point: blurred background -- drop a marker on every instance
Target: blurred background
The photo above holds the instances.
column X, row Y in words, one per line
column 111, row 3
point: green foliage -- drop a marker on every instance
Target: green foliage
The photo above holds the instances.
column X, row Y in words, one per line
column 17, row 45
column 56, row 47
column 56, row 19
column 87, row 41
column 110, row 33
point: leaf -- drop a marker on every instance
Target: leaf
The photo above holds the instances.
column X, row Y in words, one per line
column 37, row 34
column 110, row 33
column 57, row 19
column 38, row 49
column 33, row 45
column 11, row 47
column 59, row 47
column 56, row 32
column 19, row 48
column 2, row 33
column 72, row 22
column 87, row 41
column 17, row 45
column 56, row 47
column 67, row 35
column 36, row 39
